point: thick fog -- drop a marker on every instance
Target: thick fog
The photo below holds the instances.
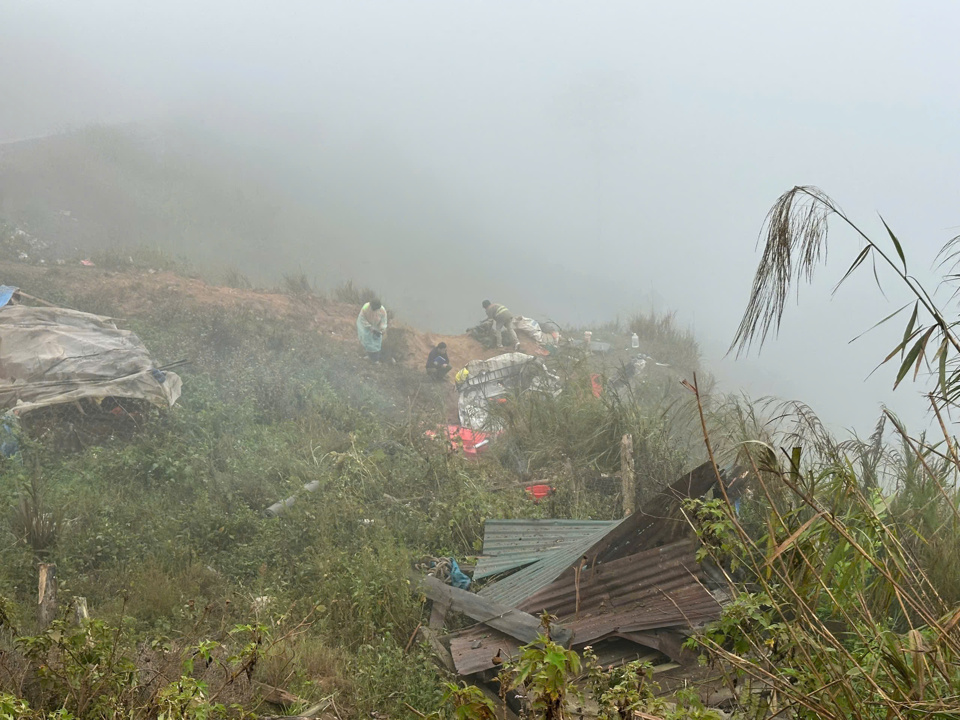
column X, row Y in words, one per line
column 572, row 160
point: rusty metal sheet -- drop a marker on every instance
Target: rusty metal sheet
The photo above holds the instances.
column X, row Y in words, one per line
column 512, row 544
column 516, row 588
column 658, row 522
column 474, row 649
column 658, row 588
column 637, row 576
column 616, row 584
column 644, row 592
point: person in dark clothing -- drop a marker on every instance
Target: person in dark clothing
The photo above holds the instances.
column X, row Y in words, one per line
column 438, row 365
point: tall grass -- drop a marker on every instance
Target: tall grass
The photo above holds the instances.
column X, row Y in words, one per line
column 663, row 339
column 297, row 284
column 845, row 597
column 841, row 556
column 349, row 293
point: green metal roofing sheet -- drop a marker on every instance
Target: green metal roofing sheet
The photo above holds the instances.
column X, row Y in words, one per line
column 543, row 549
column 512, row 544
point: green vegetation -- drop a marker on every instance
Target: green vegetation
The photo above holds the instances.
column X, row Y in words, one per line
column 164, row 532
column 840, row 556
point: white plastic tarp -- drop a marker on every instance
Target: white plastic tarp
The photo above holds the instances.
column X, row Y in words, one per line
column 529, row 327
column 490, row 379
column 50, row 356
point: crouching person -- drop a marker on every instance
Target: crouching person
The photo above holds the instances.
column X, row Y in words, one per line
column 438, row 364
column 503, row 324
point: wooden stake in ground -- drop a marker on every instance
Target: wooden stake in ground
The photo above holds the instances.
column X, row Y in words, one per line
column 575, row 482
column 628, row 481
column 80, row 612
column 47, row 597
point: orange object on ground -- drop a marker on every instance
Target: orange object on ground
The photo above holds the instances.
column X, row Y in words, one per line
column 471, row 441
column 595, row 384
column 538, row 492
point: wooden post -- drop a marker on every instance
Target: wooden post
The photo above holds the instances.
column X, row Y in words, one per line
column 576, row 484
column 47, row 596
column 80, row 612
column 628, row 483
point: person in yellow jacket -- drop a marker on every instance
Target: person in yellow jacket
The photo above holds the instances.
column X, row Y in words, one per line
column 502, row 320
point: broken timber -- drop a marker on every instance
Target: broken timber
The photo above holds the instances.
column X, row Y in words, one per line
column 47, row 594
column 625, row 587
column 517, row 624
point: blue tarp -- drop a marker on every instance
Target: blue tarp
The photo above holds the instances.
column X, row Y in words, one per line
column 457, row 577
column 6, row 292
column 9, row 435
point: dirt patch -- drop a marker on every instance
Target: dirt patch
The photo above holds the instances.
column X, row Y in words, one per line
column 139, row 292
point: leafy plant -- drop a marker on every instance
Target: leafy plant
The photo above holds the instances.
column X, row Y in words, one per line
column 544, row 672
column 620, row 692
column 468, row 703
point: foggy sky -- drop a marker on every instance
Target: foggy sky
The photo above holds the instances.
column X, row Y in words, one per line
column 638, row 145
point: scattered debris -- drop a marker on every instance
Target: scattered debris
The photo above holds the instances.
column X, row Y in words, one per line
column 472, row 442
column 280, row 507
column 482, row 382
column 538, row 492
column 627, row 588
column 529, row 327
column 446, row 571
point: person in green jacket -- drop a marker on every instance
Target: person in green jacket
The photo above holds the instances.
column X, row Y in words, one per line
column 502, row 320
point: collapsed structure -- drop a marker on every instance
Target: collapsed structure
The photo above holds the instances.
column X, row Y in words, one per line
column 50, row 356
column 624, row 587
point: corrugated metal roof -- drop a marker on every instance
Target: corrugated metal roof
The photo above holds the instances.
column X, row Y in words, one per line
column 658, row 522
column 637, row 575
column 512, row 544
column 616, row 584
column 654, row 589
column 516, row 588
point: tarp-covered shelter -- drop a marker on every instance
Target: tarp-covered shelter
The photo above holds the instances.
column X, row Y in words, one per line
column 50, row 356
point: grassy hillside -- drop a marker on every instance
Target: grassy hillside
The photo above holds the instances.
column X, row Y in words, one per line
column 162, row 527
column 840, row 558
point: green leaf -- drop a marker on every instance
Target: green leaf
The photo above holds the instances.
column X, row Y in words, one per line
column 881, row 322
column 896, row 244
column 913, row 320
column 942, row 357
column 856, row 263
column 912, row 356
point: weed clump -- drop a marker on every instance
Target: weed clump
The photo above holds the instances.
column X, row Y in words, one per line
column 353, row 295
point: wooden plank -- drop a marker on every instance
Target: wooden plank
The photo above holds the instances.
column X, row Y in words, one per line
column 627, row 476
column 276, row 695
column 669, row 642
column 439, row 649
column 515, row 623
column 438, row 613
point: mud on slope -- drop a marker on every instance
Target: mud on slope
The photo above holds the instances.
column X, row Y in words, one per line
column 138, row 293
